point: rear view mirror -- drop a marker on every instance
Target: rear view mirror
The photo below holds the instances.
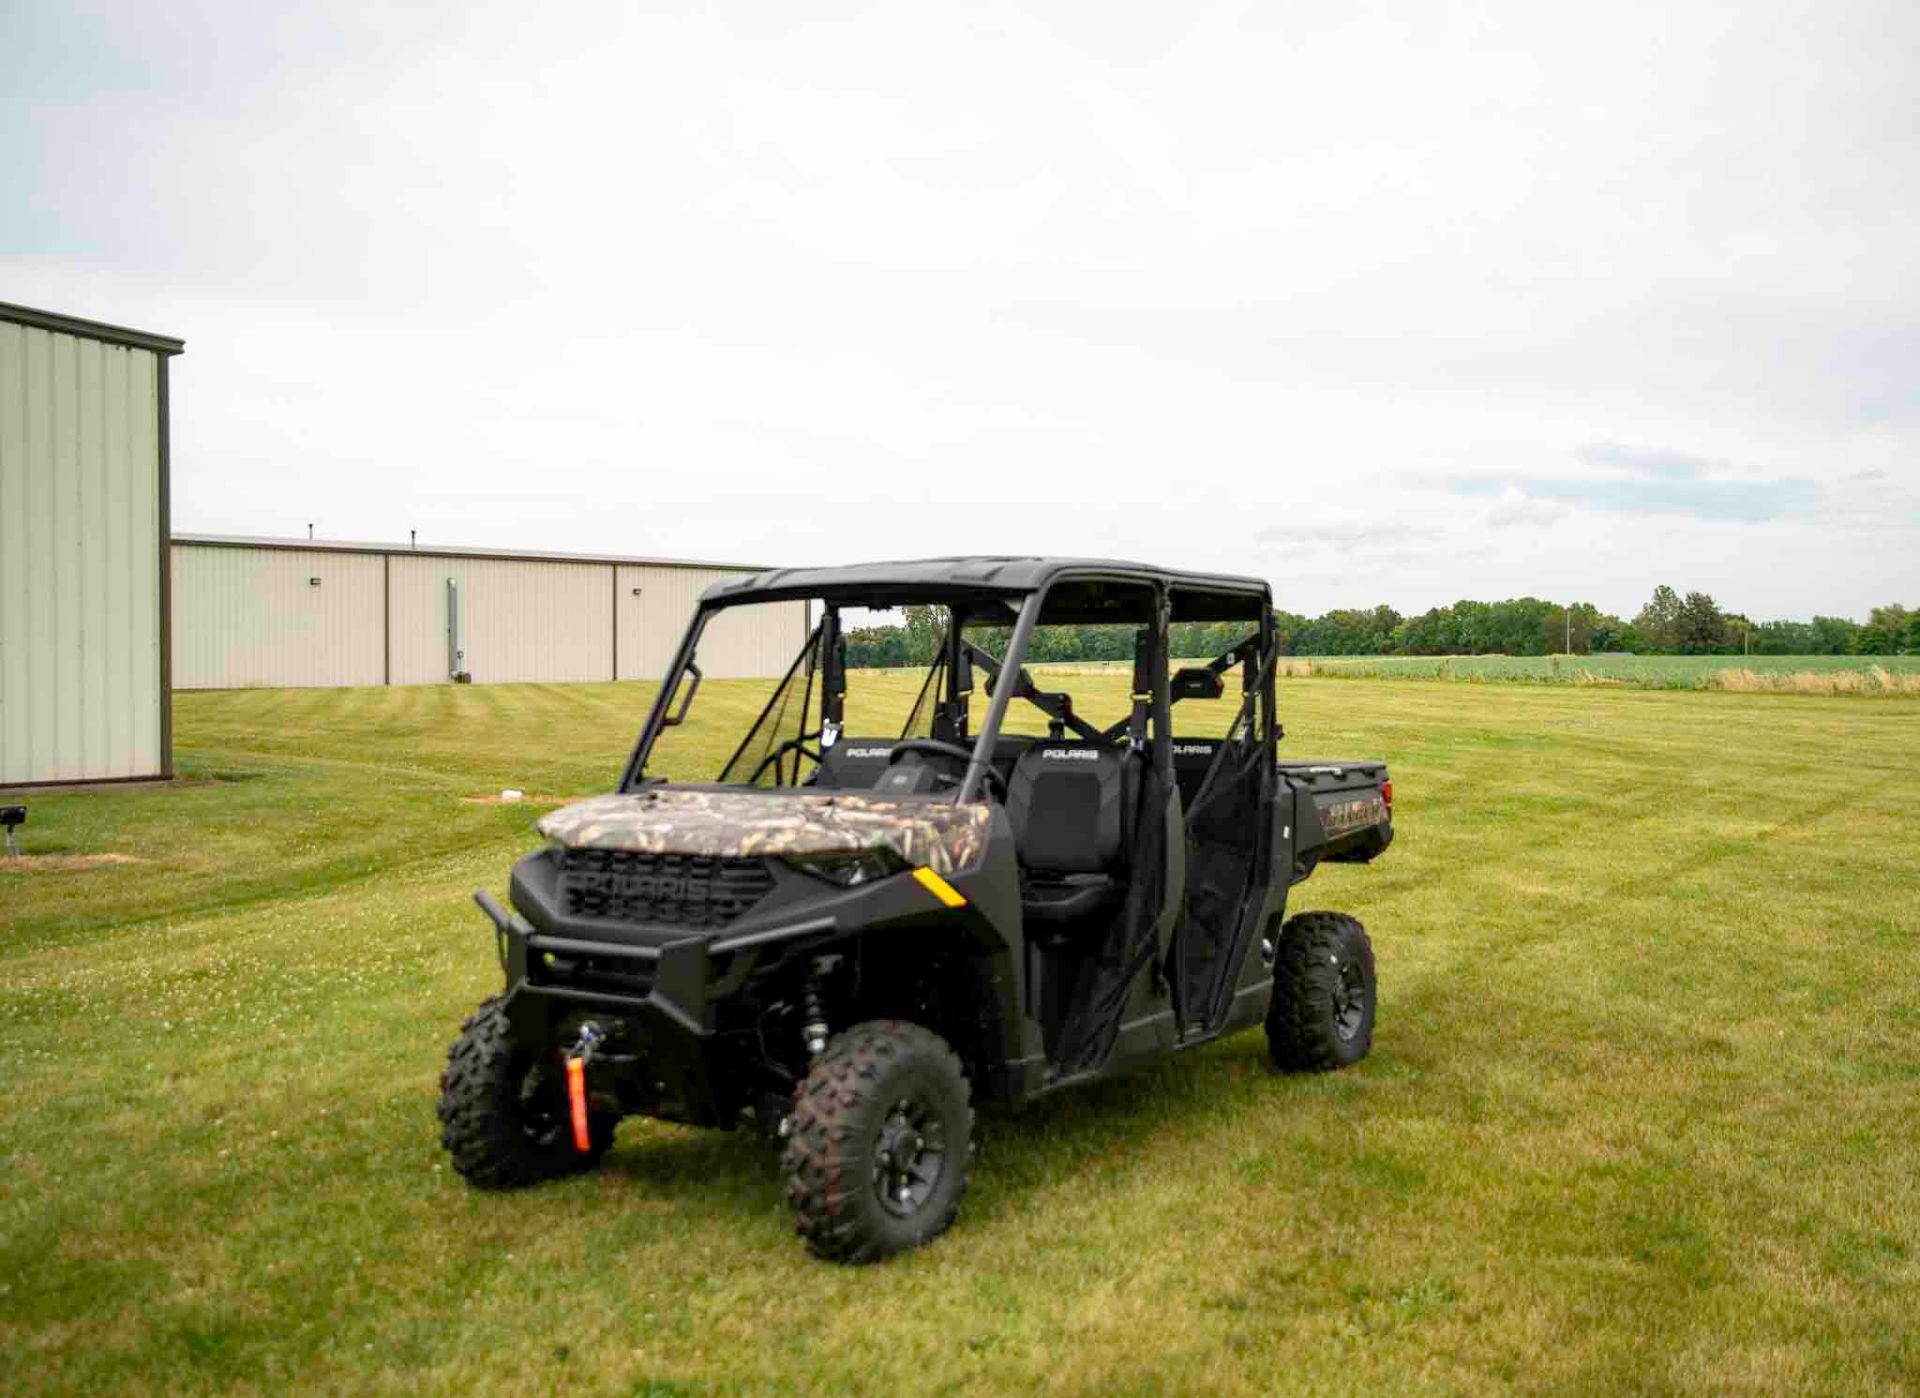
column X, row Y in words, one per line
column 963, row 672
column 1196, row 682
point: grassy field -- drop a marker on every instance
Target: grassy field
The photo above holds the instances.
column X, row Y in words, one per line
column 1871, row 676
column 1643, row 1114
column 1868, row 676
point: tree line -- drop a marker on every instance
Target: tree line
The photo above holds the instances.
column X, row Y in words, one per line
column 1670, row 624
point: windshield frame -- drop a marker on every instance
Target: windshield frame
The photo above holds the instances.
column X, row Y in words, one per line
column 1031, row 603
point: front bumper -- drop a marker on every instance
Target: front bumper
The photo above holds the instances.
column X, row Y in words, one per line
column 662, row 1056
column 686, row 1003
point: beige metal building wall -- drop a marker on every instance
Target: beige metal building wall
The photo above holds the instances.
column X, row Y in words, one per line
column 83, row 517
column 635, row 589
column 249, row 612
column 749, row 642
column 523, row 619
column 277, row 617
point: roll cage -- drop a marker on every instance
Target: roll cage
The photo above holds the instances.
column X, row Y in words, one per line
column 1030, row 592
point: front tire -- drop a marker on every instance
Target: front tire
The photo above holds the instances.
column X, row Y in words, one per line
column 1321, row 1015
column 881, row 1143
column 503, row 1109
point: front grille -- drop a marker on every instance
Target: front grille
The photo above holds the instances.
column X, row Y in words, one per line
column 686, row 890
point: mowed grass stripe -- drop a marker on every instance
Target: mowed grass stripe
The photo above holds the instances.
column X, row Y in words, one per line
column 1641, row 1115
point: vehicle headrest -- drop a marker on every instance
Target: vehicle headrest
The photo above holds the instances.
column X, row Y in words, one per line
column 854, row 763
column 1068, row 755
column 1067, row 801
column 1187, row 751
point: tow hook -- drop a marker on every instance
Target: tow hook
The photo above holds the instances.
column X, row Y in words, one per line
column 591, row 1037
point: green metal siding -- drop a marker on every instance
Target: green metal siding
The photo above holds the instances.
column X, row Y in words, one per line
column 81, row 688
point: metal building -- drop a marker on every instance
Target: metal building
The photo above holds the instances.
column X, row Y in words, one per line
column 294, row 613
column 83, row 550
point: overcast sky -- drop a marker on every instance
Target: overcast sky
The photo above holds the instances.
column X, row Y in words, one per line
column 1384, row 302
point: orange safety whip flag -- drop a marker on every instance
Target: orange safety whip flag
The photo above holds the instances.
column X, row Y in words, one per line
column 577, row 1101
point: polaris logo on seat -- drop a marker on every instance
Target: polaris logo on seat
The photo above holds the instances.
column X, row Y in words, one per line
column 1194, row 750
column 868, row 752
column 1069, row 755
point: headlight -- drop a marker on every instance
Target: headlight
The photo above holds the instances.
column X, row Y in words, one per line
column 850, row 870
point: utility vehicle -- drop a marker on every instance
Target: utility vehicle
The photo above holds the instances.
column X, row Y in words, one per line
column 855, row 928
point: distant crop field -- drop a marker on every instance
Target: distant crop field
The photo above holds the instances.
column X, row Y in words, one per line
column 1857, row 675
column 1807, row 674
column 1642, row 1116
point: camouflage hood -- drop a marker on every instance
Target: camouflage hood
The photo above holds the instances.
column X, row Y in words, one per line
column 944, row 837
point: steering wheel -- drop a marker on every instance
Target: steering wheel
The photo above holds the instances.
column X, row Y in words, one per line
column 790, row 745
column 935, row 746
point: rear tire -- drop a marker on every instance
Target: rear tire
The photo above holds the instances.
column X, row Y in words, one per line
column 1321, row 1015
column 503, row 1109
column 881, row 1143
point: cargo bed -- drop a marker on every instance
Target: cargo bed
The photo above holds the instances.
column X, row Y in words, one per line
column 1342, row 812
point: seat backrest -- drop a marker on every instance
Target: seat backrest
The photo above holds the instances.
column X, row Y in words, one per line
column 1007, row 750
column 855, row 764
column 1067, row 802
column 1192, row 758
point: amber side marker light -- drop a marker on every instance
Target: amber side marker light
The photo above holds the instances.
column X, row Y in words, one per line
column 940, row 888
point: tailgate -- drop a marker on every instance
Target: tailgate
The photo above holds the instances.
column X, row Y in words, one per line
column 1342, row 811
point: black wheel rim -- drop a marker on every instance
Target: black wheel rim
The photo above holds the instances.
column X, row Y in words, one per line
column 909, row 1155
column 542, row 1108
column 1349, row 1000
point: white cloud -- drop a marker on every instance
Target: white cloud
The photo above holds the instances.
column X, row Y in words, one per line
column 1515, row 507
column 1227, row 287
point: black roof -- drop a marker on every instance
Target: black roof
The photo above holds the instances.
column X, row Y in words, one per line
column 936, row 579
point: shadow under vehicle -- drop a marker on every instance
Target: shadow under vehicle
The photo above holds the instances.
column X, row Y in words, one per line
column 851, row 932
